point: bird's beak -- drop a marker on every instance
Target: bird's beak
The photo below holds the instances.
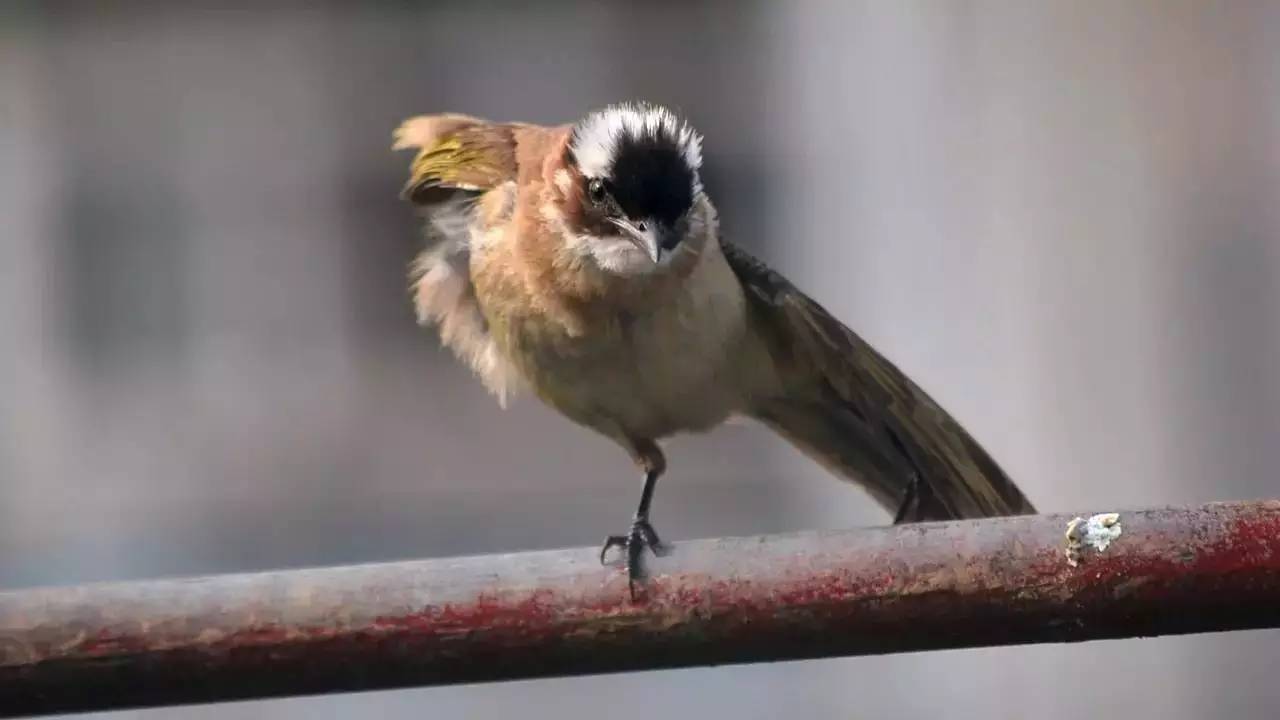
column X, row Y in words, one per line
column 646, row 235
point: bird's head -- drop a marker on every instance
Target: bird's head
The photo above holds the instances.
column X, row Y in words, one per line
column 629, row 191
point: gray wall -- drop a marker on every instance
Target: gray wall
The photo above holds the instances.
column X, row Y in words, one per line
column 1061, row 218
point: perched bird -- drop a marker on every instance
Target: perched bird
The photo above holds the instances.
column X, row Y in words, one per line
column 584, row 262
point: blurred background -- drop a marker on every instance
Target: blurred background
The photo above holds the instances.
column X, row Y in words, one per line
column 1061, row 218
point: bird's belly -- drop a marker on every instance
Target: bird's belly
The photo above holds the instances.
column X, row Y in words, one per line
column 624, row 382
column 646, row 406
column 609, row 392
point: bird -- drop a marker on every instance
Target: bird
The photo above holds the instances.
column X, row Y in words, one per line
column 583, row 262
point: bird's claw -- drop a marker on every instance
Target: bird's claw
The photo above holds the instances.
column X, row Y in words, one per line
column 641, row 536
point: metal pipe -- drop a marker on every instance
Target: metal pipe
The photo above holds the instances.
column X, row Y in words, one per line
column 890, row 589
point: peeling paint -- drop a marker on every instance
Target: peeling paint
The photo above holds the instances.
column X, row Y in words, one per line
column 1098, row 532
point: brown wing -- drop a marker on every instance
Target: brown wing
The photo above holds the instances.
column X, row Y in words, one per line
column 461, row 162
column 455, row 153
column 851, row 409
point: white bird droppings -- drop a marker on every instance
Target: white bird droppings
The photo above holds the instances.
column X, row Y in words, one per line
column 1098, row 532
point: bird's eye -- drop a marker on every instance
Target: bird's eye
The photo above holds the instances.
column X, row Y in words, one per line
column 596, row 191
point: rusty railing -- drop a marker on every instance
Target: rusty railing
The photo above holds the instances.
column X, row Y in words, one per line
column 1046, row 578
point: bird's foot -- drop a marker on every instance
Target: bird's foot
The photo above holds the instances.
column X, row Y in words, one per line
column 641, row 536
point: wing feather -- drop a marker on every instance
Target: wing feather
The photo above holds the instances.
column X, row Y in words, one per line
column 460, row 161
column 854, row 411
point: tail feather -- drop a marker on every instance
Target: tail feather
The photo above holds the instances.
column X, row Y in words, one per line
column 900, row 469
column 851, row 409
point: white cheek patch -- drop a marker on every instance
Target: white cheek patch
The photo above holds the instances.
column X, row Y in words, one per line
column 619, row 256
column 613, row 254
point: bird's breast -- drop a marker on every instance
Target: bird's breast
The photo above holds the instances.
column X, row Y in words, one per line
column 670, row 368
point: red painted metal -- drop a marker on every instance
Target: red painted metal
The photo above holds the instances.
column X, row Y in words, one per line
column 914, row 587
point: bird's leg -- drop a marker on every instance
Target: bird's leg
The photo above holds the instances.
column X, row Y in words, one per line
column 912, row 497
column 642, row 534
column 909, row 500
